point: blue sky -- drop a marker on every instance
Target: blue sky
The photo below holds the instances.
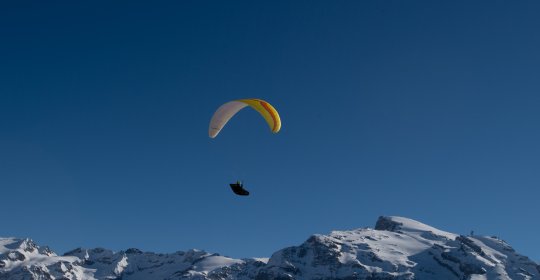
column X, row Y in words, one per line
column 418, row 109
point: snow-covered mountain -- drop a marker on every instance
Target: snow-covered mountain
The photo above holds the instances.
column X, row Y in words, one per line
column 398, row 248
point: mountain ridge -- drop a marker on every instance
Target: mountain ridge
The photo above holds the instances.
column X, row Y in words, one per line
column 397, row 248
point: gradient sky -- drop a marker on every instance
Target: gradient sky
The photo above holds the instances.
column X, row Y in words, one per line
column 422, row 109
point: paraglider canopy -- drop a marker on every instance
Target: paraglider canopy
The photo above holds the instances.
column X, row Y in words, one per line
column 226, row 111
column 238, row 188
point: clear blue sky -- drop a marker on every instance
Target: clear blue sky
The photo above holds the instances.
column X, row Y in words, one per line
column 411, row 108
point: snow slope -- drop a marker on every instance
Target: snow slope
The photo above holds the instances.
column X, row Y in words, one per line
column 398, row 248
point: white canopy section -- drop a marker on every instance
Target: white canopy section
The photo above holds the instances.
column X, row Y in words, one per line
column 223, row 114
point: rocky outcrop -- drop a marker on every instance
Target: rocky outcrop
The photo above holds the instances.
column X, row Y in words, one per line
column 386, row 223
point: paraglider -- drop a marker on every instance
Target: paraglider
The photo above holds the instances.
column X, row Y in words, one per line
column 226, row 111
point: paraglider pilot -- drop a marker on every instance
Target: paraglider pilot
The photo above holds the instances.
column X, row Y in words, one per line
column 238, row 188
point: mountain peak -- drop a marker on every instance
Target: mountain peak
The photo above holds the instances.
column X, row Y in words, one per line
column 410, row 226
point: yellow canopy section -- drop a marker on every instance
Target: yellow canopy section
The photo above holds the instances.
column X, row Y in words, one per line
column 226, row 111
